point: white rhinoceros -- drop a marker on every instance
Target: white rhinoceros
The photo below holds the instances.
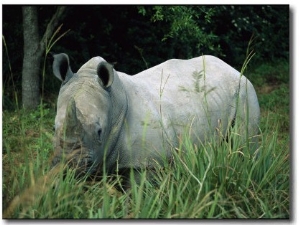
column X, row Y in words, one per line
column 109, row 120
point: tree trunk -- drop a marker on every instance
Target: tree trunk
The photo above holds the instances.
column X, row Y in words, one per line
column 34, row 47
column 32, row 58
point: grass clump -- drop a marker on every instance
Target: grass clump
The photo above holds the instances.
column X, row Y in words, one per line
column 203, row 182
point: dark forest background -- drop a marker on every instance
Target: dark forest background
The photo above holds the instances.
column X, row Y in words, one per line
column 135, row 38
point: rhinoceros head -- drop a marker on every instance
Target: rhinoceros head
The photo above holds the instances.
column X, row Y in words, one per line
column 84, row 119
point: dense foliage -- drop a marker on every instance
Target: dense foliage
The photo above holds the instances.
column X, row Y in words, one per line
column 138, row 37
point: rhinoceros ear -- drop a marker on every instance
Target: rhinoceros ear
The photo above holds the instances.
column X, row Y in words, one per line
column 105, row 72
column 61, row 67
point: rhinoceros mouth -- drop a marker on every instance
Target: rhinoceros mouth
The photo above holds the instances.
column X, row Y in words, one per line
column 78, row 159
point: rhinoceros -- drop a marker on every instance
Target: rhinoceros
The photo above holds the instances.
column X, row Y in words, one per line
column 109, row 121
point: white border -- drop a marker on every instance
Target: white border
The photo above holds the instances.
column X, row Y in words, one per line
column 294, row 47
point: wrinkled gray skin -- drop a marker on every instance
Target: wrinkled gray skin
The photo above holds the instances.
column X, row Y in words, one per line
column 107, row 118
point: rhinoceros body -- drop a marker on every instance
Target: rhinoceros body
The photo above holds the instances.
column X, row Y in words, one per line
column 108, row 119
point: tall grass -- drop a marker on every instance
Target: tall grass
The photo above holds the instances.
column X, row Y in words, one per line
column 203, row 182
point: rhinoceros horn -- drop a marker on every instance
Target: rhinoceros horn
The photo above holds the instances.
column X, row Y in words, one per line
column 71, row 124
column 69, row 139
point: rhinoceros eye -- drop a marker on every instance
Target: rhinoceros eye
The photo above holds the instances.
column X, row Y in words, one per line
column 99, row 132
